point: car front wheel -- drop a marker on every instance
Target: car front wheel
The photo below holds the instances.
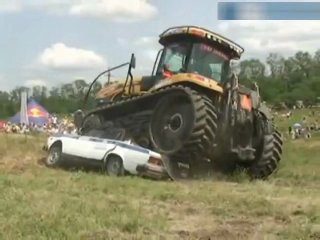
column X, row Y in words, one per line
column 54, row 158
column 114, row 166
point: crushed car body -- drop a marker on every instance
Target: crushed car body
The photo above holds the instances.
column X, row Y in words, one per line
column 115, row 157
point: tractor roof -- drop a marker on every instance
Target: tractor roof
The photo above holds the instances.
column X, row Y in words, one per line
column 173, row 33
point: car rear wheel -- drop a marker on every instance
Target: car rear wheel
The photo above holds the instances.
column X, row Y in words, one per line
column 114, row 166
column 54, row 158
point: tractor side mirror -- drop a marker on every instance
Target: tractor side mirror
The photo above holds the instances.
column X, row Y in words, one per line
column 133, row 61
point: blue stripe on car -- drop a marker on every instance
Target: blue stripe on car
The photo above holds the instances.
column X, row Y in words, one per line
column 96, row 140
column 131, row 147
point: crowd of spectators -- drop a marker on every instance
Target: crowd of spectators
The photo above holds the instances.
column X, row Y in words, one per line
column 54, row 125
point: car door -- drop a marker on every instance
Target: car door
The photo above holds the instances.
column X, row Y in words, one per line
column 74, row 146
column 97, row 148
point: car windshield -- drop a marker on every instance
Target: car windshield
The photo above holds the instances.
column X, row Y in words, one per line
column 207, row 61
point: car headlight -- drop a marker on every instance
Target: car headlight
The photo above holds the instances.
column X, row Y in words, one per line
column 155, row 161
column 50, row 140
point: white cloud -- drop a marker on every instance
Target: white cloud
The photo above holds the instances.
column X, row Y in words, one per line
column 122, row 41
column 146, row 40
column 10, row 5
column 3, row 83
column 35, row 82
column 259, row 38
column 48, row 5
column 151, row 54
column 57, row 7
column 118, row 10
column 149, row 45
column 60, row 56
column 148, row 48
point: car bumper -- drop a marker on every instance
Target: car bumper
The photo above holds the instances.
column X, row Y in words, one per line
column 152, row 171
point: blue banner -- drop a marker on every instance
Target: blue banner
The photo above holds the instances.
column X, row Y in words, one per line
column 268, row 10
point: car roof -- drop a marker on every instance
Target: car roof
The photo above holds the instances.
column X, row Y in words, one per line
column 123, row 144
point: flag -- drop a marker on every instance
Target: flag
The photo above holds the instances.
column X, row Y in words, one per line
column 23, row 109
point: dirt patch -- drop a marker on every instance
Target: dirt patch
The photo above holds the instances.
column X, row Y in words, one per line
column 229, row 230
column 41, row 161
column 314, row 144
column 190, row 221
column 239, row 228
column 20, row 164
column 19, row 151
column 205, row 234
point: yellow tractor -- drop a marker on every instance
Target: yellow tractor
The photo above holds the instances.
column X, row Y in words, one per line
column 191, row 108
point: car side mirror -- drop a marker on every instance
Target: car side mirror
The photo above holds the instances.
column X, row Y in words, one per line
column 133, row 61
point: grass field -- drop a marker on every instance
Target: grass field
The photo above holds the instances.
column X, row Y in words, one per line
column 41, row 203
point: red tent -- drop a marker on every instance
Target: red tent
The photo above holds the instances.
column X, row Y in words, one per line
column 35, row 112
column 2, row 124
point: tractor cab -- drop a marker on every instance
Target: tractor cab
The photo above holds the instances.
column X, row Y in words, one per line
column 189, row 49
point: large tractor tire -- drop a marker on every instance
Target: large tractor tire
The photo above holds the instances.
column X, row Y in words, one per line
column 268, row 160
column 183, row 125
column 176, row 171
column 91, row 122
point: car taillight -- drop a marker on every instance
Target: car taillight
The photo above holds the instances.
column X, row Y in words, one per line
column 155, row 161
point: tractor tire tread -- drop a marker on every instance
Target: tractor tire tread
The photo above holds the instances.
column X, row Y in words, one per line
column 270, row 157
column 205, row 126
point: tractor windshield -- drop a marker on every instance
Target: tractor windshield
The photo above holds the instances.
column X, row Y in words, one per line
column 194, row 58
column 207, row 61
column 175, row 57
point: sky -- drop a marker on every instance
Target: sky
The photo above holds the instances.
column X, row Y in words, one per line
column 57, row 41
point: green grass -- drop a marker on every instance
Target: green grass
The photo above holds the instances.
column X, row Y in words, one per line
column 297, row 116
column 41, row 203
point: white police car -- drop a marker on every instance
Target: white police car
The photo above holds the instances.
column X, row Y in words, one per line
column 116, row 157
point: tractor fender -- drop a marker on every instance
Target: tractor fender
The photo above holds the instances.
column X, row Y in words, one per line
column 189, row 78
column 260, row 106
column 263, row 109
column 255, row 98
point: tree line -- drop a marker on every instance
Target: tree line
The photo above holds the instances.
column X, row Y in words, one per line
column 280, row 79
column 62, row 99
column 284, row 80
